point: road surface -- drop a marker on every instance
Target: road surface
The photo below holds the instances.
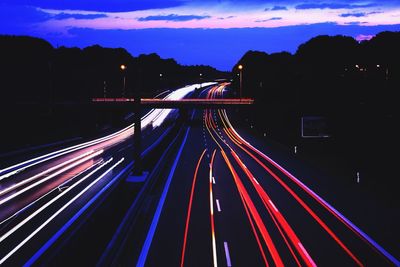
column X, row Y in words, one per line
column 229, row 204
column 41, row 195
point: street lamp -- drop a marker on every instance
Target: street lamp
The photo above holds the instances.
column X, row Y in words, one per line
column 123, row 68
column 240, row 67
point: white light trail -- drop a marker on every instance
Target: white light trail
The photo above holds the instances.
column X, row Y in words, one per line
column 146, row 120
column 50, row 177
column 16, row 248
column 11, row 188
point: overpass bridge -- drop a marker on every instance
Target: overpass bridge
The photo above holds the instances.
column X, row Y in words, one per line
column 183, row 104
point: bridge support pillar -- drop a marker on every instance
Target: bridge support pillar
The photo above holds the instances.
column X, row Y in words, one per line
column 183, row 114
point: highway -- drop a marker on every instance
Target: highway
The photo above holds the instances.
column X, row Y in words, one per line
column 224, row 202
column 41, row 195
column 229, row 204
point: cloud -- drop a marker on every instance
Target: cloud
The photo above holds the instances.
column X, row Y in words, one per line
column 374, row 12
column 63, row 15
column 275, row 8
column 173, row 17
column 357, row 15
column 354, row 23
column 229, row 17
column 333, row 6
column 98, row 5
column 364, row 37
column 270, row 19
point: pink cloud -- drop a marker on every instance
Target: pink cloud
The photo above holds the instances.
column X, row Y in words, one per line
column 362, row 37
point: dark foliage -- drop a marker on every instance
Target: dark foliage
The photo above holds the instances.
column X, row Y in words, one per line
column 353, row 85
column 45, row 91
column 33, row 71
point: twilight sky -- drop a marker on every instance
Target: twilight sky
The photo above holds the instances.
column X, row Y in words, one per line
column 210, row 32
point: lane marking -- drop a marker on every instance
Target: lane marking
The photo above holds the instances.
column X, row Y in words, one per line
column 305, row 252
column 150, row 234
column 213, row 239
column 218, row 206
column 228, row 257
column 272, row 204
column 213, row 179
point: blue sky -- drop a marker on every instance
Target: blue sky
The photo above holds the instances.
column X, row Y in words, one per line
column 210, row 32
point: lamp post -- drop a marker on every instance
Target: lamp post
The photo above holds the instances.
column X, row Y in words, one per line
column 123, row 68
column 200, row 79
column 137, row 134
column 240, row 67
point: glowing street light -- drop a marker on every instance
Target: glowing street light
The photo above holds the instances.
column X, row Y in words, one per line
column 240, row 67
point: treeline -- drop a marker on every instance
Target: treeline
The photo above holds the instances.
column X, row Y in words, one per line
column 326, row 73
column 351, row 83
column 45, row 91
column 32, row 70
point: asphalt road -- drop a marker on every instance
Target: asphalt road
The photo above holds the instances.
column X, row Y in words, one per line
column 230, row 204
column 41, row 196
column 226, row 202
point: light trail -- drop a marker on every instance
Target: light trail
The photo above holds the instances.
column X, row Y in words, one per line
column 300, row 201
column 253, row 211
column 27, row 219
column 76, row 163
column 27, row 180
column 321, row 201
column 251, row 221
column 208, row 118
column 148, row 119
column 64, row 228
column 54, row 189
column 275, row 214
column 44, row 224
column 153, row 117
column 190, row 208
column 233, row 136
column 362, row 235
